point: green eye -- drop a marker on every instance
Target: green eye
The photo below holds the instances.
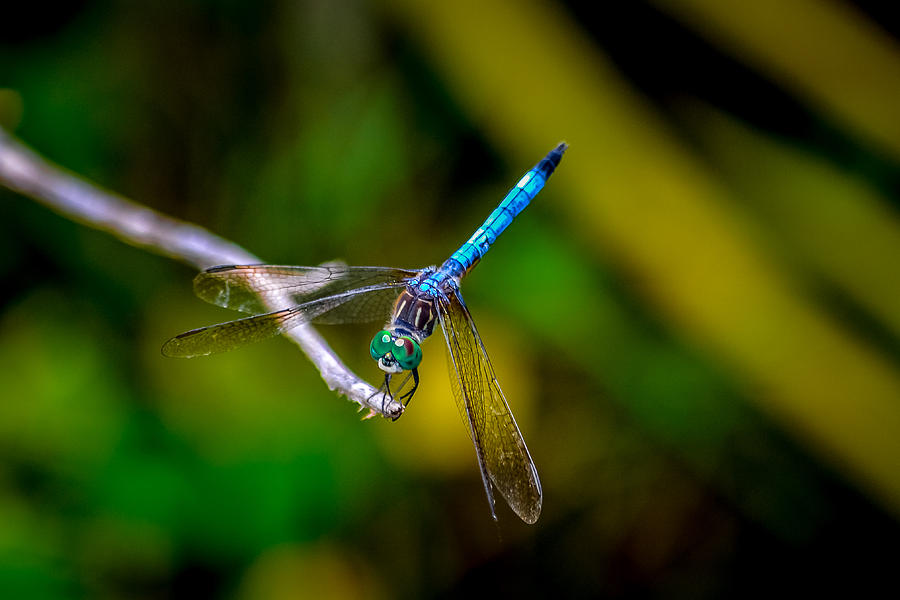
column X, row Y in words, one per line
column 381, row 344
column 403, row 349
column 407, row 352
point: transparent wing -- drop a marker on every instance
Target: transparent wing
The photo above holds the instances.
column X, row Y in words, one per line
column 234, row 334
column 374, row 306
column 256, row 289
column 502, row 455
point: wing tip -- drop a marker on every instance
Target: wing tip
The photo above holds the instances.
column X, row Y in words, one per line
column 530, row 521
column 531, row 516
column 529, row 512
column 169, row 349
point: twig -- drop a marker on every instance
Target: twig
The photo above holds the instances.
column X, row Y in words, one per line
column 24, row 171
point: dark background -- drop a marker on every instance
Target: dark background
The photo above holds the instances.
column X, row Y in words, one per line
column 697, row 323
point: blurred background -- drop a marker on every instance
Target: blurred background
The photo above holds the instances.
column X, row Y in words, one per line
column 697, row 322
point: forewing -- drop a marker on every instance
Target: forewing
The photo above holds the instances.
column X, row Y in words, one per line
column 499, row 446
column 234, row 334
column 256, row 289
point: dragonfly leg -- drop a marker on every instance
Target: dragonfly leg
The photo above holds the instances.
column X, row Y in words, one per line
column 385, row 391
column 408, row 395
column 386, row 394
column 402, row 385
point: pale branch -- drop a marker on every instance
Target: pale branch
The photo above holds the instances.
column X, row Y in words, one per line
column 23, row 171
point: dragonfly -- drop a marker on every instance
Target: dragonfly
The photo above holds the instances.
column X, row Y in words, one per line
column 280, row 298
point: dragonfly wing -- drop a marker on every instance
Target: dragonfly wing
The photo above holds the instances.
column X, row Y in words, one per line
column 256, row 289
column 502, row 455
column 361, row 308
column 234, row 334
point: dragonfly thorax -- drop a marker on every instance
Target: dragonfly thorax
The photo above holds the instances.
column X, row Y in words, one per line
column 396, row 348
column 414, row 311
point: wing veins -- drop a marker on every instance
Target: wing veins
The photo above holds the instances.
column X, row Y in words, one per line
column 256, row 289
column 229, row 335
column 462, row 398
column 506, row 456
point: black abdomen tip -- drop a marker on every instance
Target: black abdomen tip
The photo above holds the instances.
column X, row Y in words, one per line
column 555, row 156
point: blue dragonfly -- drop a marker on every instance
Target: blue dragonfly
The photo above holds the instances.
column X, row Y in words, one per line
column 283, row 297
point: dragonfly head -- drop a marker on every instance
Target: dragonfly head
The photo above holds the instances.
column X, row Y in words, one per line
column 395, row 351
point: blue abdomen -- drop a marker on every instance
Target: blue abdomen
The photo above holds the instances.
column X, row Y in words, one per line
column 515, row 201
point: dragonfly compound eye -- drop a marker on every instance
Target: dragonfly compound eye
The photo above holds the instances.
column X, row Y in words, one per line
column 407, row 352
column 382, row 343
